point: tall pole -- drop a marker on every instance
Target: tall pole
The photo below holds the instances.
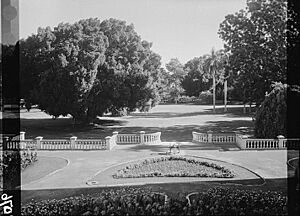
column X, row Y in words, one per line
column 225, row 95
column 214, row 92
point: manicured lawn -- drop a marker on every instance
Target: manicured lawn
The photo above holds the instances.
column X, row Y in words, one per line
column 42, row 167
column 176, row 122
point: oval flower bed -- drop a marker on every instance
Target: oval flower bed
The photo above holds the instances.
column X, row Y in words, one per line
column 173, row 167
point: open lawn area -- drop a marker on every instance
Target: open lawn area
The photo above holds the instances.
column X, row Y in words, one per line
column 176, row 122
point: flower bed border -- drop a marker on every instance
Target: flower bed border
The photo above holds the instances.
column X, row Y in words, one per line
column 123, row 173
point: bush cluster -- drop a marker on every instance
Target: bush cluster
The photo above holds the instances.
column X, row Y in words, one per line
column 27, row 158
column 271, row 116
column 126, row 201
column 205, row 97
column 225, row 201
column 216, row 201
column 173, row 167
column 187, row 99
column 11, row 159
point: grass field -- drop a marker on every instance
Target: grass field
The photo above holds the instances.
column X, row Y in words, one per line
column 176, row 122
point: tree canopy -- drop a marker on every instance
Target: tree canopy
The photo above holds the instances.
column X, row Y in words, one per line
column 89, row 68
column 256, row 39
column 174, row 76
column 270, row 118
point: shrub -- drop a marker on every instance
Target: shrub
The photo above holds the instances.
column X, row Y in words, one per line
column 186, row 99
column 205, row 97
column 270, row 117
column 11, row 158
column 135, row 201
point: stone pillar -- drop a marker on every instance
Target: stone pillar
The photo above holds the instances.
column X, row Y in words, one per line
column 280, row 141
column 115, row 136
column 209, row 136
column 244, row 139
column 22, row 135
column 107, row 140
column 38, row 142
column 73, row 142
column 142, row 135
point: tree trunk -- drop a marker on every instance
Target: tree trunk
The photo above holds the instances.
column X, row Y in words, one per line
column 225, row 95
column 214, row 93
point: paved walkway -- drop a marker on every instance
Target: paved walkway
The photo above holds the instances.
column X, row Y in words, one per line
column 85, row 164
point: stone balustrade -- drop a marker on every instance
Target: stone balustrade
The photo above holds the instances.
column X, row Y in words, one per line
column 152, row 138
column 73, row 143
column 211, row 137
column 129, row 138
column 246, row 143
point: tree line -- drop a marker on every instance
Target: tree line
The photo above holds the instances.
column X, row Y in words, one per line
column 256, row 40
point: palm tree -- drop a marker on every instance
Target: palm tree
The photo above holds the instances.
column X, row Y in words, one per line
column 214, row 63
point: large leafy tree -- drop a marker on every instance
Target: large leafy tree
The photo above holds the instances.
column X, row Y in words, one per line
column 197, row 79
column 89, row 68
column 130, row 77
column 175, row 76
column 68, row 61
column 256, row 39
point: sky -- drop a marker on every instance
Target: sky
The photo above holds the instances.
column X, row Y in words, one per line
column 181, row 29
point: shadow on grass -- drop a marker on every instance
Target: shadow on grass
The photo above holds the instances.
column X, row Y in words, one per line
column 231, row 112
column 63, row 129
column 171, row 189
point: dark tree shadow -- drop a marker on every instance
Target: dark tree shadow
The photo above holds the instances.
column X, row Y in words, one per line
column 231, row 112
column 63, row 129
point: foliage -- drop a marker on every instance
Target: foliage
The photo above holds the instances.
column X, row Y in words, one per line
column 196, row 79
column 200, row 72
column 225, row 201
column 271, row 116
column 89, row 68
column 133, row 201
column 174, row 77
column 205, row 97
column 256, row 39
column 10, row 159
column 173, row 167
column 187, row 99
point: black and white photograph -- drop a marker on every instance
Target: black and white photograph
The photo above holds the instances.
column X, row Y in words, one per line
column 149, row 107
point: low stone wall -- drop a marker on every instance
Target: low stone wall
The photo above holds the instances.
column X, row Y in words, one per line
column 82, row 144
column 246, row 143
